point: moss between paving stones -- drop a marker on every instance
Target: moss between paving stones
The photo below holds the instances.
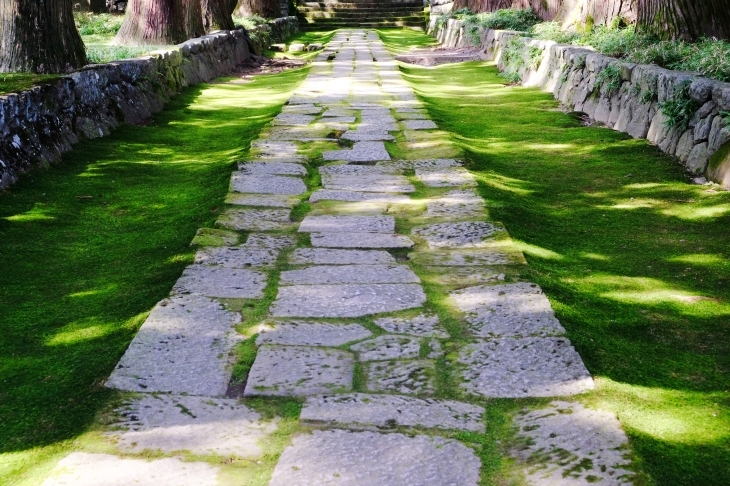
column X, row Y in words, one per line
column 88, row 248
column 633, row 258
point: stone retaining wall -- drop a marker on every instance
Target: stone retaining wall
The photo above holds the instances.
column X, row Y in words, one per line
column 40, row 124
column 570, row 73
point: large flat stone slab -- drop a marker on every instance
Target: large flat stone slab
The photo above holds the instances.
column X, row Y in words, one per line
column 446, row 177
column 183, row 347
column 221, row 282
column 348, row 224
column 360, row 240
column 494, row 255
column 360, row 152
column 344, row 274
column 299, row 371
column 514, row 310
column 464, row 276
column 525, row 367
column 398, row 376
column 424, row 163
column 83, row 469
column 367, row 458
column 420, row 125
column 456, row 204
column 255, row 219
column 386, row 347
column 468, row 234
column 200, row 425
column 421, row 326
column 357, row 196
column 346, row 300
column 368, row 136
column 278, row 168
column 292, row 119
column 389, row 411
column 304, row 109
column 568, row 444
column 261, row 200
column 324, row 256
column 367, row 183
column 268, row 149
column 274, row 242
column 307, row 333
column 237, row 256
column 358, row 170
column 267, row 184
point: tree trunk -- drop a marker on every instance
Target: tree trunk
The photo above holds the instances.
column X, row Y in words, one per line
column 216, row 15
column 193, row 18
column 264, row 8
column 98, row 6
column 39, row 37
column 153, row 22
column 685, row 19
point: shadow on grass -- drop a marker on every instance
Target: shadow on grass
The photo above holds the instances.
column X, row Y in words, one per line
column 634, row 259
column 89, row 246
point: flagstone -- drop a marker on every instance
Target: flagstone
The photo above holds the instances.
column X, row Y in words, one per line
column 360, row 240
column 459, row 235
column 405, row 377
column 347, row 224
column 421, row 325
column 309, row 333
column 255, row 219
column 221, row 282
column 324, row 256
column 337, row 274
column 267, row 184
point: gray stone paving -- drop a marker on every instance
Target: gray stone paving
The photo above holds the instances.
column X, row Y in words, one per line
column 347, row 224
column 299, row 371
column 389, row 411
column 179, row 364
column 421, row 325
column 360, row 240
column 525, row 367
column 182, row 347
column 384, row 348
column 346, row 300
column 307, row 333
column 323, row 256
column 341, row 274
column 255, row 219
column 405, row 377
column 267, row 184
column 221, row 282
column 200, row 425
column 569, row 444
column 83, row 469
column 367, row 458
column 516, row 310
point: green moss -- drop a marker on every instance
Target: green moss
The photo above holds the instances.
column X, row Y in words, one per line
column 14, row 82
column 80, row 274
column 720, row 157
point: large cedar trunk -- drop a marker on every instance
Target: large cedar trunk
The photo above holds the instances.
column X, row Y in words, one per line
column 685, row 19
column 193, row 18
column 39, row 37
column 217, row 15
column 153, row 22
column 265, row 8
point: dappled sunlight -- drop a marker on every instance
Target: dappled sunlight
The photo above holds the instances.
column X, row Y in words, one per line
column 700, row 259
column 537, row 251
column 670, row 415
column 594, row 256
column 687, row 212
column 76, row 332
column 38, row 213
column 504, row 183
column 649, row 291
column 633, row 203
column 549, row 146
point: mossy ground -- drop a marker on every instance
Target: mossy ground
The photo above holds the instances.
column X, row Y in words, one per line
column 89, row 246
column 633, row 257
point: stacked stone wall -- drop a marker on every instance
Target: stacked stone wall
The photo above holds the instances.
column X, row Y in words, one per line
column 634, row 107
column 38, row 125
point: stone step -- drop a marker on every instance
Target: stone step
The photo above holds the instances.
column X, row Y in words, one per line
column 370, row 25
column 357, row 14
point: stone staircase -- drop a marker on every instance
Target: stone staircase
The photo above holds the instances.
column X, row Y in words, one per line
column 360, row 13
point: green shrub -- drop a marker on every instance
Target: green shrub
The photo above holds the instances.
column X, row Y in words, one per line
column 521, row 19
column 513, row 60
column 552, row 31
column 534, row 54
column 97, row 24
column 608, row 80
column 680, row 108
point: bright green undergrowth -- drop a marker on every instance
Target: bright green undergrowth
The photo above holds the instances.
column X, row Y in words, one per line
column 88, row 248
column 633, row 258
column 13, row 82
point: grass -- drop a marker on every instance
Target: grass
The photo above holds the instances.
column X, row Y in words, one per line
column 89, row 246
column 13, row 82
column 633, row 258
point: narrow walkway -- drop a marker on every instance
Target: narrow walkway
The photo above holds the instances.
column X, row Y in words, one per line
column 394, row 319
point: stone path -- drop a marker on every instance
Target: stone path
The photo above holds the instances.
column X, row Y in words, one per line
column 385, row 376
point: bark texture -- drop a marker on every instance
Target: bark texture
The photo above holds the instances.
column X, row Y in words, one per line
column 265, row 8
column 217, row 15
column 193, row 18
column 685, row 19
column 153, row 22
column 39, row 37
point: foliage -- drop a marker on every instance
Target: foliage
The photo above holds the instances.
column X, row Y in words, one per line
column 97, row 24
column 504, row 19
column 97, row 54
column 680, row 108
column 608, row 80
column 513, row 60
column 534, row 54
